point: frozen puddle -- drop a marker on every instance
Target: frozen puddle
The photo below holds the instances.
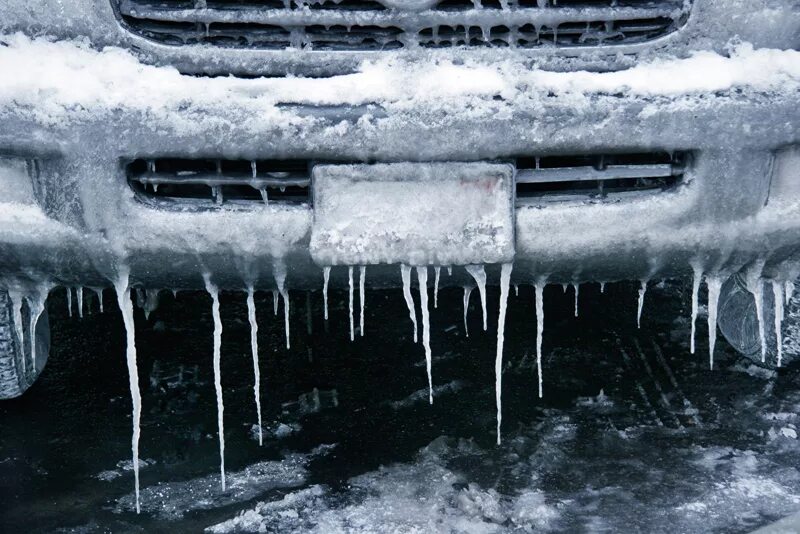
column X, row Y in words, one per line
column 171, row 500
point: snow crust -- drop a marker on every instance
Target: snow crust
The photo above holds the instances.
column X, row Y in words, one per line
column 62, row 78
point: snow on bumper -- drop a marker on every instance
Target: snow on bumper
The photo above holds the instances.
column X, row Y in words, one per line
column 79, row 113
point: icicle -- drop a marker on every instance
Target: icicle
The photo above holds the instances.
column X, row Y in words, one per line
column 126, row 307
column 714, row 284
column 16, row 302
column 479, row 274
column 326, row 276
column 274, row 302
column 151, row 297
column 505, row 277
column 698, row 277
column 79, row 298
column 564, row 288
column 642, row 291
column 777, row 292
column 467, row 293
column 99, row 292
column 422, row 278
column 788, row 291
column 516, row 290
column 350, row 278
column 69, row 301
column 251, row 315
column 436, row 271
column 576, row 288
column 405, row 273
column 280, row 281
column 449, row 270
column 755, row 285
column 36, row 303
column 214, row 292
column 602, row 287
column 362, row 296
column 539, row 289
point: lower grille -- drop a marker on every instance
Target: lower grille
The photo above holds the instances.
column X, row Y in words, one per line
column 216, row 182
column 598, row 176
column 368, row 25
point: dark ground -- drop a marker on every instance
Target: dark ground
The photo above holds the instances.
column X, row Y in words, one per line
column 669, row 447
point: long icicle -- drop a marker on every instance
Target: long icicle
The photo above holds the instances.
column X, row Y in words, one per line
column 16, row 302
column 326, row 276
column 539, row 290
column 755, row 285
column 777, row 292
column 69, row 301
column 214, row 292
column 505, row 278
column 437, row 272
column 479, row 274
column 714, row 284
column 274, row 302
column 79, row 298
column 352, row 326
column 280, row 281
column 467, row 293
column 576, row 287
column 405, row 273
column 422, row 278
column 126, row 307
column 36, row 302
column 361, row 297
column 640, row 304
column 251, row 315
column 99, row 292
column 696, row 280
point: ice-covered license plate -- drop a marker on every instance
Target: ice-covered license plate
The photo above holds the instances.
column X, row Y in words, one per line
column 413, row 213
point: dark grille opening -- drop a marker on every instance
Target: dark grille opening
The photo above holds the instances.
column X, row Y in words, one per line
column 597, row 176
column 367, row 25
column 172, row 181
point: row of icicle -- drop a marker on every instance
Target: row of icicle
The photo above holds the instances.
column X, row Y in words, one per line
column 782, row 292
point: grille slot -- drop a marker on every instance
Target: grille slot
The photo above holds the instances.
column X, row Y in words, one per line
column 217, row 182
column 368, row 25
column 598, row 176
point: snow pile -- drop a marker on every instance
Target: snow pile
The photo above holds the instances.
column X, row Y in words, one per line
column 70, row 78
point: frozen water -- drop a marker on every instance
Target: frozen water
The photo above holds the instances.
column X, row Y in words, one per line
column 350, row 294
column 697, row 278
column 714, row 284
column 755, row 284
column 777, row 292
column 405, row 273
column 99, row 292
column 36, row 300
column 505, row 277
column 214, row 293
column 326, row 275
column 539, row 295
column 251, row 315
column 422, row 278
column 479, row 274
column 361, row 297
column 576, row 288
column 69, row 300
column 467, row 293
column 79, row 298
column 437, row 272
column 640, row 304
column 16, row 301
column 280, row 281
column 126, row 307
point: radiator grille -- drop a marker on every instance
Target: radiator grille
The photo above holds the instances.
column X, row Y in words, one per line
column 370, row 25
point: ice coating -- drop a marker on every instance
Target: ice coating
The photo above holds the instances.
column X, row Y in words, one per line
column 714, row 284
column 467, row 293
column 126, row 307
column 640, row 303
column 697, row 278
column 79, row 298
column 326, row 276
column 251, row 316
column 350, row 293
column 361, row 297
column 505, row 277
column 214, row 293
column 422, row 278
column 755, row 285
column 777, row 293
column 437, row 272
column 405, row 274
column 539, row 291
column 479, row 274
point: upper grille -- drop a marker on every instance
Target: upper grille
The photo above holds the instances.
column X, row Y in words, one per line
column 370, row 25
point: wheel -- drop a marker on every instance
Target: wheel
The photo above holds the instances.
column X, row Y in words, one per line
column 17, row 372
column 738, row 321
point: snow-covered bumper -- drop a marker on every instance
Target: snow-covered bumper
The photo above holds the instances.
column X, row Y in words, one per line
column 78, row 117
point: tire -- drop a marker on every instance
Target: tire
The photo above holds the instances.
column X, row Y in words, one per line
column 738, row 321
column 17, row 373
